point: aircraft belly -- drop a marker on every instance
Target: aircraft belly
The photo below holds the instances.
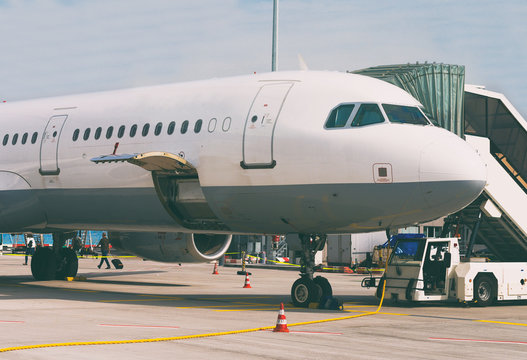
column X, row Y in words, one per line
column 106, row 209
column 321, row 208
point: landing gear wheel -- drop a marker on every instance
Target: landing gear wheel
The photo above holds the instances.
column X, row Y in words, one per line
column 304, row 292
column 484, row 291
column 43, row 264
column 327, row 291
column 68, row 264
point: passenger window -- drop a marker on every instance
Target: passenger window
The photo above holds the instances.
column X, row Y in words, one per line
column 109, row 132
column 75, row 134
column 368, row 114
column 133, row 130
column 405, row 114
column 212, row 124
column 98, row 133
column 6, row 139
column 184, row 127
column 146, row 129
column 86, row 134
column 171, row 127
column 120, row 133
column 34, row 137
column 339, row 116
column 197, row 126
column 158, row 128
column 15, row 139
column 226, row 124
column 24, row 138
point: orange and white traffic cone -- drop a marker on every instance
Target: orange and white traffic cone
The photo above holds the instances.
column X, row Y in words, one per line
column 215, row 271
column 281, row 322
column 247, row 284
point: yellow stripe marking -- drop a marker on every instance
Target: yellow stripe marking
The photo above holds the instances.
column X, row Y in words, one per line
column 137, row 300
column 231, row 310
column 236, row 298
column 501, row 322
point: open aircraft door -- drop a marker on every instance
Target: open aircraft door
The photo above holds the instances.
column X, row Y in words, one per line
column 260, row 124
column 49, row 146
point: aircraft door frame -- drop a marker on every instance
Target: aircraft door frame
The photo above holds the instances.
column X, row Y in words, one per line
column 49, row 145
column 258, row 133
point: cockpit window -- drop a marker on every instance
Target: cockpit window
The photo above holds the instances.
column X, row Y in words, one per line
column 405, row 115
column 368, row 114
column 339, row 116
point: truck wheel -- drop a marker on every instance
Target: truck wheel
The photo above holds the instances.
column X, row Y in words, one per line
column 304, row 291
column 43, row 264
column 324, row 284
column 484, row 291
column 378, row 292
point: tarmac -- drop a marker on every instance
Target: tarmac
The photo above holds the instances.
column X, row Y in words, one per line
column 166, row 311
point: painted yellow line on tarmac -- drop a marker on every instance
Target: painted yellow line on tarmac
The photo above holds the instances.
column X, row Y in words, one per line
column 251, row 304
column 501, row 322
column 358, row 306
column 262, row 309
column 205, row 306
column 236, row 298
column 379, row 313
column 139, row 300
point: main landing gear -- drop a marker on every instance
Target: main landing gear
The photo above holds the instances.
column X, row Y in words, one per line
column 53, row 263
column 307, row 289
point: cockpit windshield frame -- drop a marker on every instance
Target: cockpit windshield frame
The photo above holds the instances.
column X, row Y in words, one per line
column 405, row 114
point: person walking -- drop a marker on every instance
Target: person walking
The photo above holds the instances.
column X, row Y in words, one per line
column 30, row 248
column 104, row 244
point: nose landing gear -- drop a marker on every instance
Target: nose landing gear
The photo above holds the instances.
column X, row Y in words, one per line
column 308, row 289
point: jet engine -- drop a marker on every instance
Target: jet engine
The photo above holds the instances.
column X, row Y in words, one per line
column 172, row 247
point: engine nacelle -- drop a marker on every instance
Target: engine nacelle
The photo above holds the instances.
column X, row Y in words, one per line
column 172, row 247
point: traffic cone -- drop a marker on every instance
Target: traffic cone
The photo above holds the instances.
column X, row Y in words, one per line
column 215, row 271
column 281, row 322
column 247, row 284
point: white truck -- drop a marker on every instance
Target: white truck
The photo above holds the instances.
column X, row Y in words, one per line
column 431, row 270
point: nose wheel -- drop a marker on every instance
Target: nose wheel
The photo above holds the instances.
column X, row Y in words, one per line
column 309, row 289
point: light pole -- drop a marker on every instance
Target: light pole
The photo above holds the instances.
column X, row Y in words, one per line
column 275, row 34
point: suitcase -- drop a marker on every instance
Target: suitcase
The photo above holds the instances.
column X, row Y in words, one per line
column 117, row 263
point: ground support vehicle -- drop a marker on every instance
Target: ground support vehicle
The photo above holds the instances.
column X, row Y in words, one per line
column 431, row 270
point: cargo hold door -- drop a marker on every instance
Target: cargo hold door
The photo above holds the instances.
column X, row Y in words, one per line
column 259, row 128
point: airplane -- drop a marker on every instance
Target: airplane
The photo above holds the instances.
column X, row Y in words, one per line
column 172, row 171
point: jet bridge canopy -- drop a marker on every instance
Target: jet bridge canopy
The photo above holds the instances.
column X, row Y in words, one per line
column 439, row 87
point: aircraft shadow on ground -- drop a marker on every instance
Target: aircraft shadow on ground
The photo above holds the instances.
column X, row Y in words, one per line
column 122, row 292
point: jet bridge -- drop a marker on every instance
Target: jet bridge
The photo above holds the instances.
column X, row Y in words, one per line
column 498, row 218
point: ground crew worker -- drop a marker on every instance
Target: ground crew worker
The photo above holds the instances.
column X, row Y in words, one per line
column 30, row 249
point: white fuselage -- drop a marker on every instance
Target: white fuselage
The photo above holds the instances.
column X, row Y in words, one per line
column 265, row 161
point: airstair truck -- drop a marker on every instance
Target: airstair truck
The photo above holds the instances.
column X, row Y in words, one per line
column 431, row 270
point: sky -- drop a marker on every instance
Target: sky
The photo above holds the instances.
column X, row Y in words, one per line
column 59, row 47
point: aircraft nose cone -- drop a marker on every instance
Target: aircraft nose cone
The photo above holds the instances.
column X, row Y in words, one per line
column 451, row 173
